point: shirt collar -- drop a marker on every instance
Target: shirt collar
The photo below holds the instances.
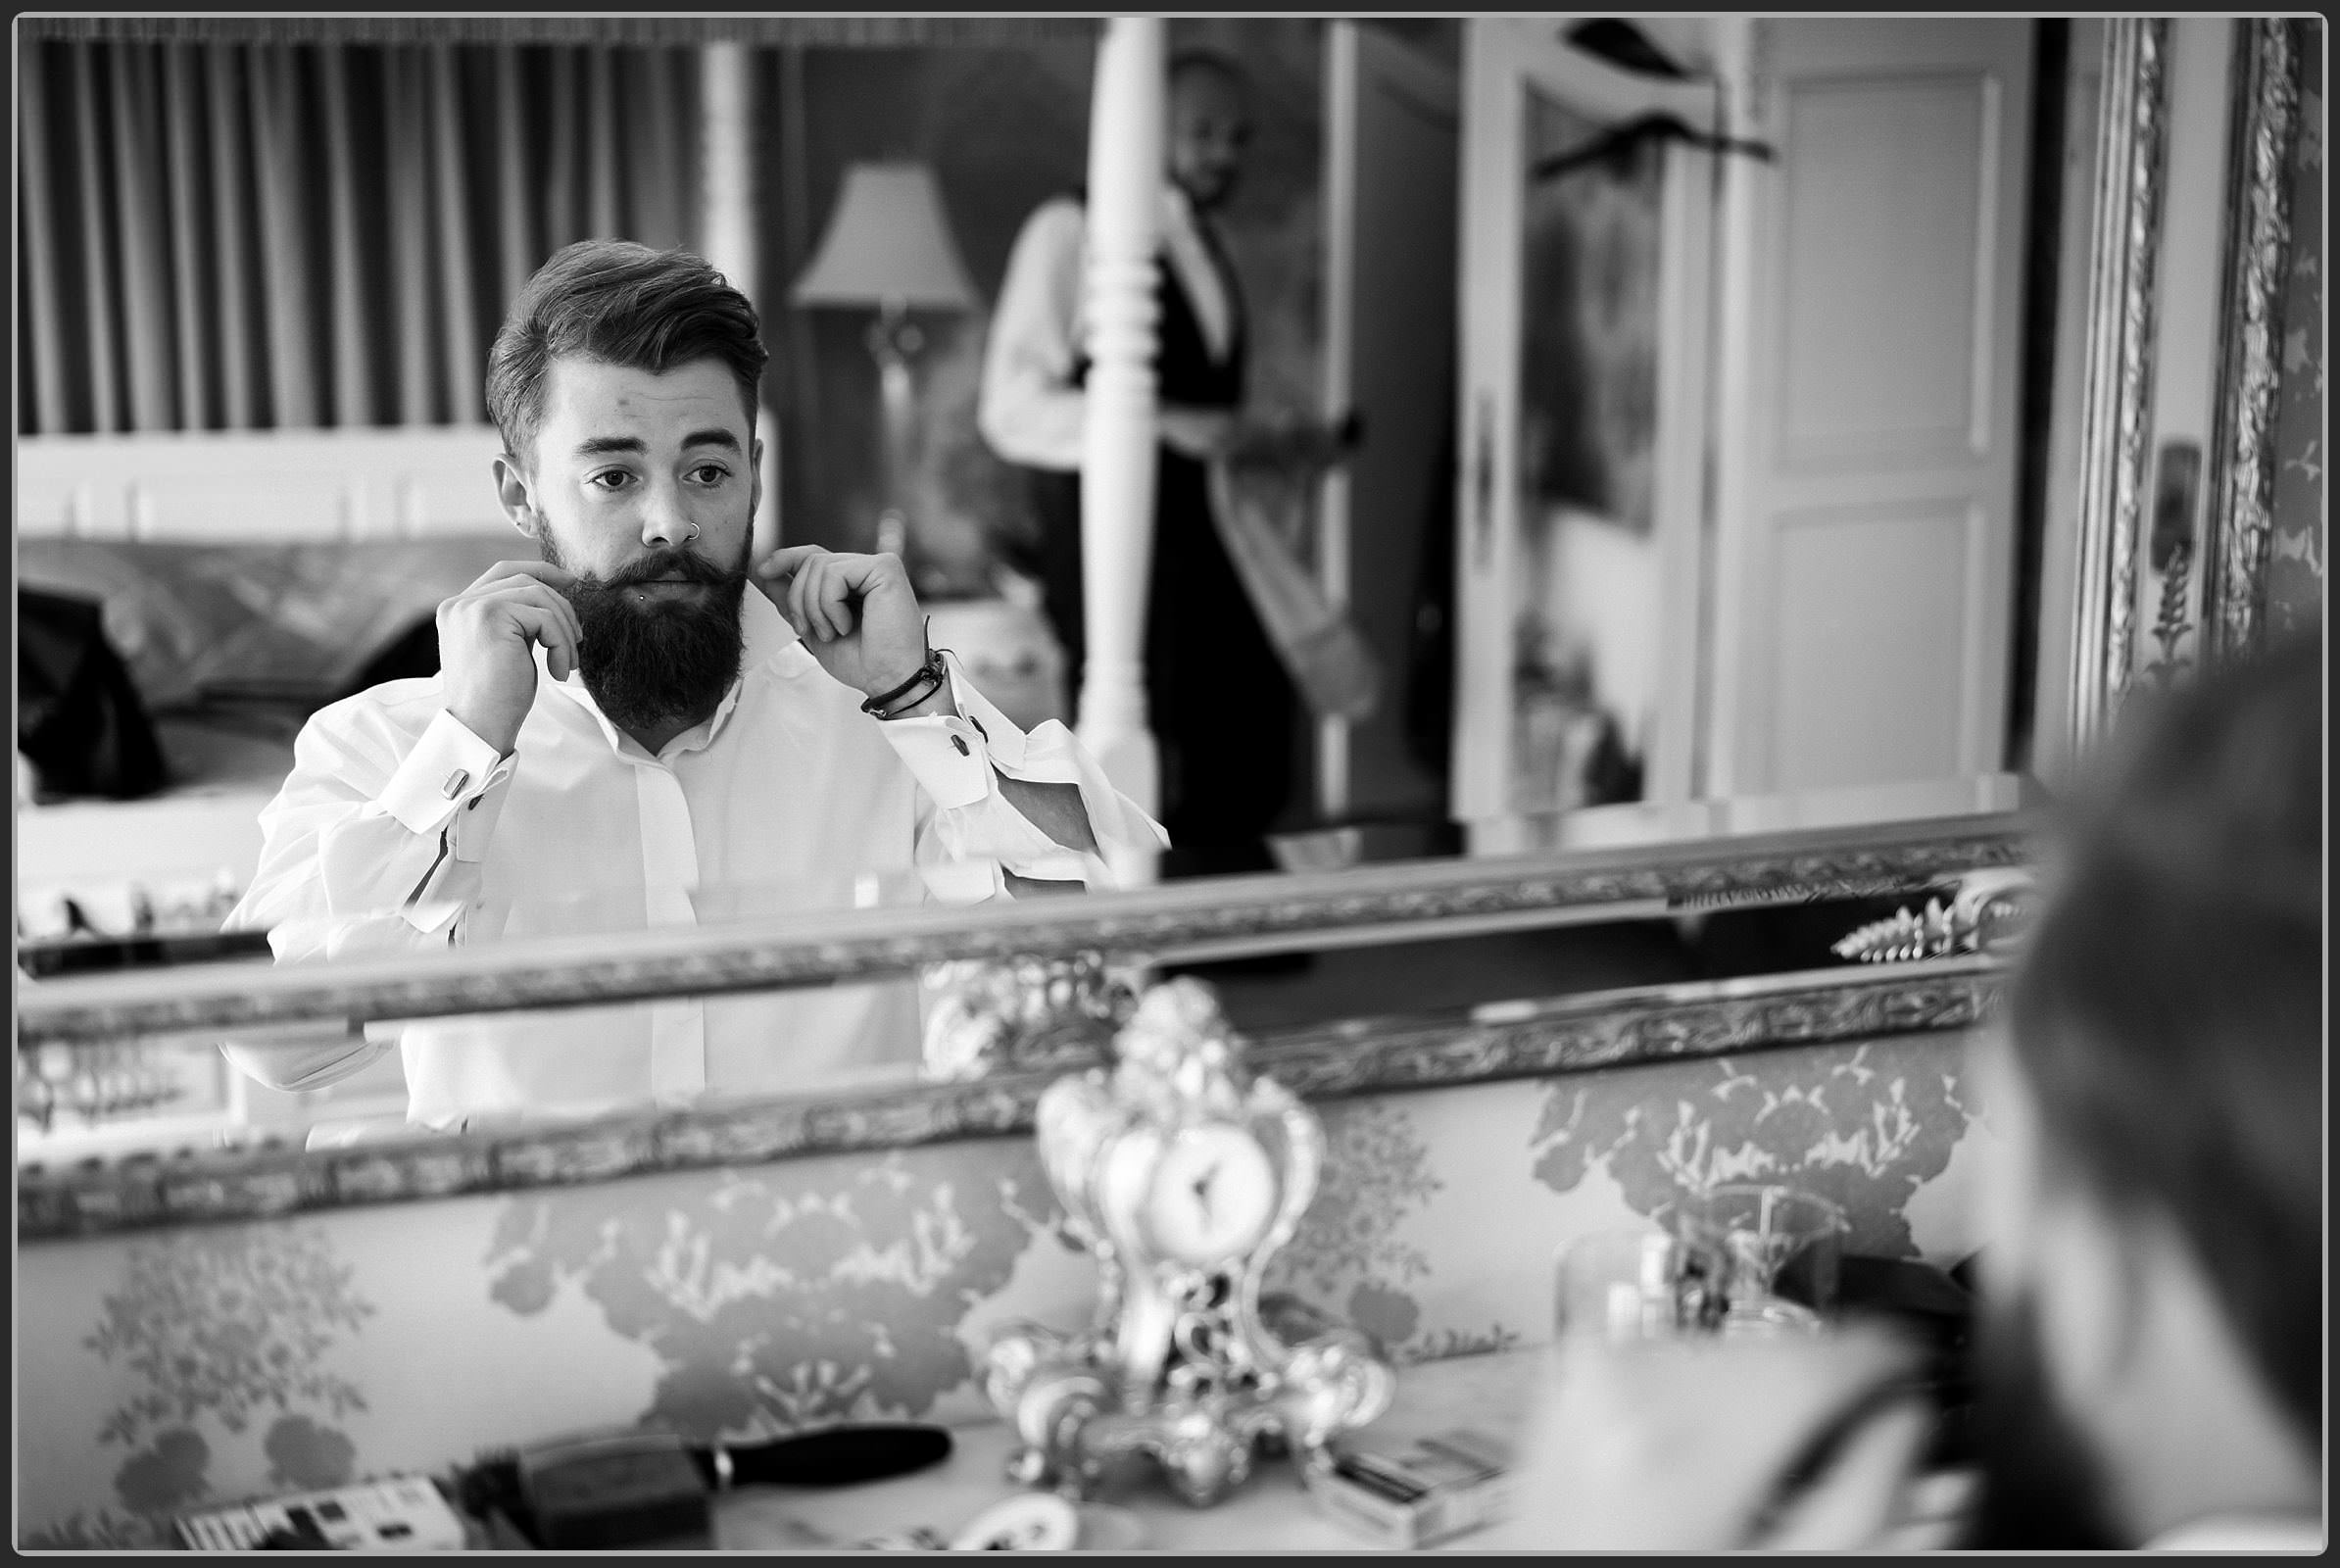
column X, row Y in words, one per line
column 764, row 637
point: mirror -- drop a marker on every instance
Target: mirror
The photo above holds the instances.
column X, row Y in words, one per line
column 1673, row 529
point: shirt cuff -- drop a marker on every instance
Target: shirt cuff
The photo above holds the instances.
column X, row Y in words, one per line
column 948, row 754
column 448, row 769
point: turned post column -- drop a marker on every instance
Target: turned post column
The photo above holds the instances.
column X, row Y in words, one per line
column 1117, row 459
column 728, row 226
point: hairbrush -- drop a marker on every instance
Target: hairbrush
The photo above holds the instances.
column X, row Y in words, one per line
column 622, row 1489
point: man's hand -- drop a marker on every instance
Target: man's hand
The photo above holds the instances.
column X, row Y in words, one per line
column 1683, row 1445
column 857, row 613
column 485, row 633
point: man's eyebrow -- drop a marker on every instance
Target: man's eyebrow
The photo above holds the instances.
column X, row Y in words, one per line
column 596, row 446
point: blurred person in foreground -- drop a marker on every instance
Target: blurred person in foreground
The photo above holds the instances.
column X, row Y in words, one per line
column 2152, row 1278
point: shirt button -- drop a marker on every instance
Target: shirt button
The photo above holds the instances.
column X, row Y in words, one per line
column 961, row 740
column 456, row 782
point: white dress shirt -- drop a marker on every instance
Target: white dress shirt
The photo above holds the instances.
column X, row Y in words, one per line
column 399, row 830
column 1029, row 410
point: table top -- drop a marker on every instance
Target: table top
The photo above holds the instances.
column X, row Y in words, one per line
column 1269, row 1512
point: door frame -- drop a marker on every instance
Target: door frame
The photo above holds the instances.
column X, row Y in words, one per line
column 1350, row 49
column 1503, row 58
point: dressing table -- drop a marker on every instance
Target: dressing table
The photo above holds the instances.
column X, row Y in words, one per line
column 1271, row 1513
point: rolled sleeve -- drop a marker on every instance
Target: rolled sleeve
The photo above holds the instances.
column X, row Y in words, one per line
column 955, row 760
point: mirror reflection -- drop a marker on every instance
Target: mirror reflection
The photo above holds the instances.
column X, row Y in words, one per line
column 397, row 575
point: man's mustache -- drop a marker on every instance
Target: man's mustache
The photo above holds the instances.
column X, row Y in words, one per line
column 681, row 563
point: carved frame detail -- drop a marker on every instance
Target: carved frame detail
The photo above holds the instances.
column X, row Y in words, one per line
column 1574, row 1034
column 2243, row 457
column 1265, row 914
column 2116, row 395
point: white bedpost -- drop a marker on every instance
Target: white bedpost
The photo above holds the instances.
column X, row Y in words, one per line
column 728, row 226
column 1117, row 459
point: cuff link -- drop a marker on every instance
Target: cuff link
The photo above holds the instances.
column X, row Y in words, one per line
column 961, row 740
column 456, row 782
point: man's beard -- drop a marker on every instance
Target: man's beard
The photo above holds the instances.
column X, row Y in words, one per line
column 2043, row 1489
column 650, row 660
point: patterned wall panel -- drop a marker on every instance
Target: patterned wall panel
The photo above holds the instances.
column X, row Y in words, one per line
column 165, row 1370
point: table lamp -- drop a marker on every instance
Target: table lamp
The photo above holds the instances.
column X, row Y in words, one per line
column 889, row 248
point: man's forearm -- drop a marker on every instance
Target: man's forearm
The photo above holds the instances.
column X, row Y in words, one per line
column 1053, row 809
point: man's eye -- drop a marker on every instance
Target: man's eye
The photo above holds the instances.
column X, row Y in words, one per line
column 711, row 473
column 610, row 479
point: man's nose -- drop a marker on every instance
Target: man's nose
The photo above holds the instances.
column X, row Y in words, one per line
column 663, row 519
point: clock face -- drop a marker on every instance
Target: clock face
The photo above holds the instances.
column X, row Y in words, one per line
column 1212, row 1198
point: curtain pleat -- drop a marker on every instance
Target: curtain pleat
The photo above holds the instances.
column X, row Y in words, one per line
column 88, row 161
column 601, row 132
column 300, row 234
column 182, row 132
column 515, row 211
column 137, row 183
column 461, row 360
column 652, row 156
column 231, row 216
column 44, row 303
column 410, row 231
column 290, row 280
column 353, row 386
column 560, row 148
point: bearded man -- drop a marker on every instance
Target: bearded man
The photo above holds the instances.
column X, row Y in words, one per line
column 622, row 737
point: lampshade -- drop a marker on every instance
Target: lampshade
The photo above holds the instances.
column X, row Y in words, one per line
column 888, row 244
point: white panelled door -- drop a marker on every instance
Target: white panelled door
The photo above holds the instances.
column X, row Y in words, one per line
column 1867, row 431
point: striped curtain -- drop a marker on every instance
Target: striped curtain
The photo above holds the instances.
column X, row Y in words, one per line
column 244, row 235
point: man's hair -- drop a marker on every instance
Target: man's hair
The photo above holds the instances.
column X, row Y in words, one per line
column 1199, row 61
column 623, row 304
column 2169, row 1014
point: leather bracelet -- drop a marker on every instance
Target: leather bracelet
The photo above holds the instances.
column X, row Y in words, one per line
column 928, row 679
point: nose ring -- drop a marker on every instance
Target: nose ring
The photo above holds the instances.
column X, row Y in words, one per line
column 694, row 533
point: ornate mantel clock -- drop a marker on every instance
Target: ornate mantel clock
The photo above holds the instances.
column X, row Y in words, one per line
column 1183, row 1175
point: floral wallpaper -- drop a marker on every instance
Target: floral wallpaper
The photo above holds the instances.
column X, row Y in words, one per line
column 2295, row 570
column 161, row 1371
column 729, row 1284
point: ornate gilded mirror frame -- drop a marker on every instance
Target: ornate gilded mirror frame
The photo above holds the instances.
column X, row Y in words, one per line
column 1374, row 904
column 2116, row 418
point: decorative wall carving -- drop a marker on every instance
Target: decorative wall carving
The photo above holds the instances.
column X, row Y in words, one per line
column 1271, row 911
column 2235, row 554
column 2116, row 397
column 1573, row 1034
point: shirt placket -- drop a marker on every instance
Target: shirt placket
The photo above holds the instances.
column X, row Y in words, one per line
column 669, row 878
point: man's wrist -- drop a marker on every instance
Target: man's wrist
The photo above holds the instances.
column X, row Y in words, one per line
column 935, row 704
column 914, row 696
column 501, row 734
